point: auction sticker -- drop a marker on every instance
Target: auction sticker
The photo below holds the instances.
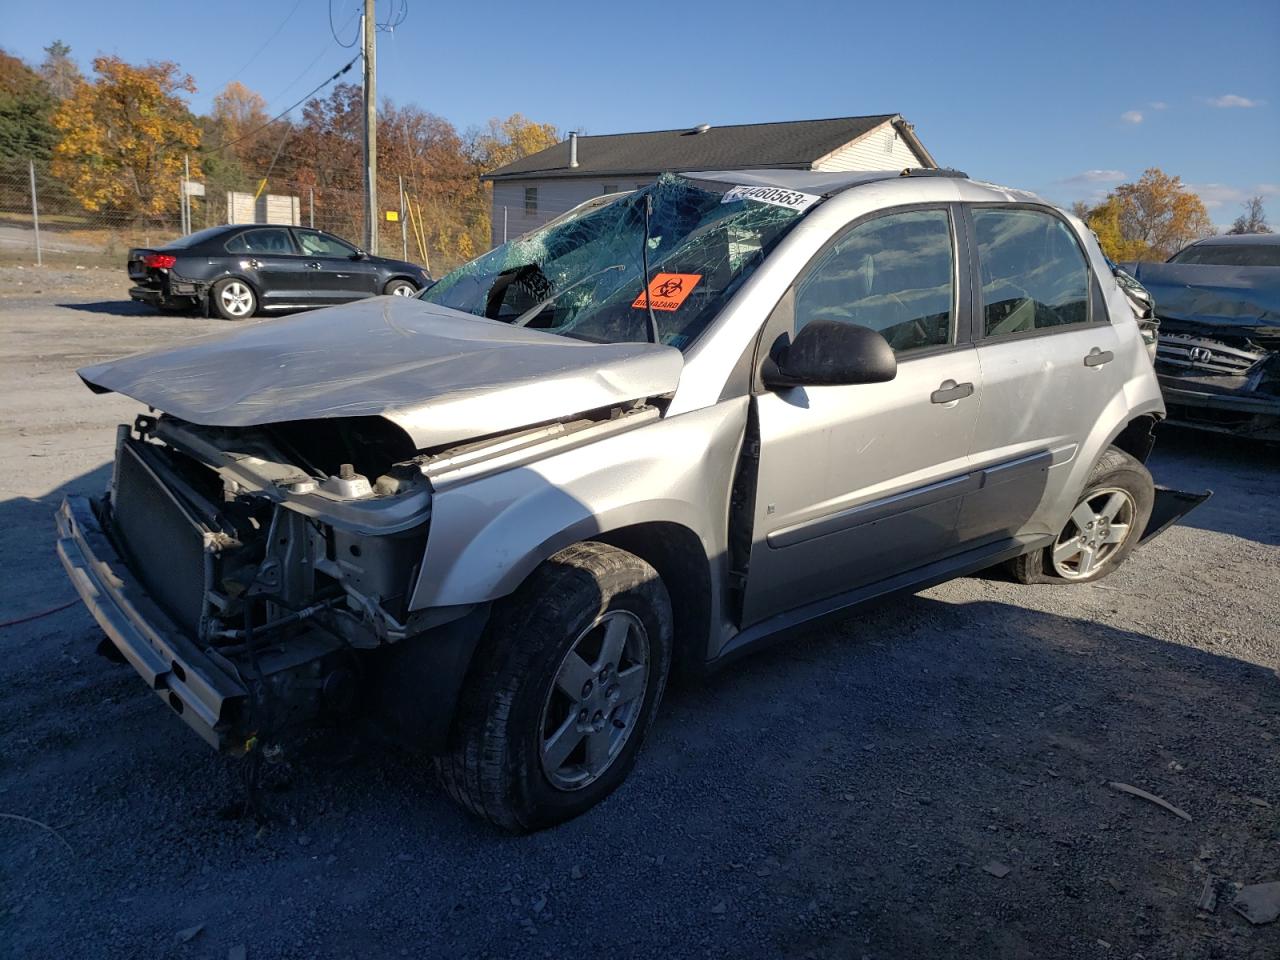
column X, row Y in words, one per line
column 668, row 290
column 791, row 199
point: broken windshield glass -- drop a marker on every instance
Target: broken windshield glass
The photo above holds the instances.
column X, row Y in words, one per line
column 582, row 276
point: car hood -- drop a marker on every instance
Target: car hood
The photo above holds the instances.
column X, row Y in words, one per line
column 1244, row 300
column 441, row 375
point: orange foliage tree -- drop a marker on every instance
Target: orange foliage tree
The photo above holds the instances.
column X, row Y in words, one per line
column 1151, row 219
column 124, row 136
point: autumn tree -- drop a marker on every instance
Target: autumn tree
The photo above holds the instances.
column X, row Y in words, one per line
column 1253, row 220
column 506, row 141
column 124, row 136
column 1149, row 220
column 60, row 71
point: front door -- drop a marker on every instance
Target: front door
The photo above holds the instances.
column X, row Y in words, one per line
column 858, row 483
column 338, row 272
column 1047, row 352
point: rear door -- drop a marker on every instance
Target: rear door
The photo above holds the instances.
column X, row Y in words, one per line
column 1047, row 350
column 268, row 257
column 857, row 483
column 337, row 273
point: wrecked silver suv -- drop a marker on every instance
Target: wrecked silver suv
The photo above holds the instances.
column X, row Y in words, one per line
column 650, row 436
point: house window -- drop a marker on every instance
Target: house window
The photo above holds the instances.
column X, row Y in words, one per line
column 609, row 188
column 530, row 201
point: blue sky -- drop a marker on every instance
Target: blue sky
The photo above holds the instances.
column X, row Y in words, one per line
column 1061, row 98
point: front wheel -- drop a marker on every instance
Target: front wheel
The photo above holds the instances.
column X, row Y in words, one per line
column 400, row 288
column 233, row 299
column 1103, row 529
column 563, row 690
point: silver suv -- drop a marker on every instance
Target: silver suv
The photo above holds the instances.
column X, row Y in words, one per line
column 656, row 433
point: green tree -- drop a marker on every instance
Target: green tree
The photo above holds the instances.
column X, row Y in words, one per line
column 25, row 110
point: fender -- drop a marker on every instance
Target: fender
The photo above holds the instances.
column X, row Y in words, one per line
column 487, row 535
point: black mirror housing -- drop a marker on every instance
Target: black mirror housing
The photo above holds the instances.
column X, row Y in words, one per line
column 831, row 353
column 359, row 255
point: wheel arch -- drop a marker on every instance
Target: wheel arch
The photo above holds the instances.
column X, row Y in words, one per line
column 1137, row 437
column 677, row 554
column 399, row 276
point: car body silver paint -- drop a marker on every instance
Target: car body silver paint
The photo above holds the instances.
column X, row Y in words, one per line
column 489, row 532
column 441, row 375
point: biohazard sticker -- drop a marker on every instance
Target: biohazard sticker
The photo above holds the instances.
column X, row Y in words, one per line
column 791, row 199
column 668, row 290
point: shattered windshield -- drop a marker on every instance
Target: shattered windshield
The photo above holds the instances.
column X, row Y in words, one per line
column 581, row 276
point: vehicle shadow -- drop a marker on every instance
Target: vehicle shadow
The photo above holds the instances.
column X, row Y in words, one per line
column 1242, row 474
column 121, row 308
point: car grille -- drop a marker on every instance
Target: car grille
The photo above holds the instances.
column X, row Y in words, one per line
column 163, row 543
column 1206, row 356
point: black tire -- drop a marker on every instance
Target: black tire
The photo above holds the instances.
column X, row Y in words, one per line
column 493, row 766
column 1114, row 471
column 221, row 299
column 396, row 288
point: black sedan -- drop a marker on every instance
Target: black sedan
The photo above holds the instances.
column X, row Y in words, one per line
column 237, row 271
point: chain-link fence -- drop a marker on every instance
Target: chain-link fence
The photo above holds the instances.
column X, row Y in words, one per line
column 41, row 221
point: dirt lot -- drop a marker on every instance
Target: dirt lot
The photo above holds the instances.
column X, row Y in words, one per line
column 839, row 796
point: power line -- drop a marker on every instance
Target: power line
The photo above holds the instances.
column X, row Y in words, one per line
column 354, row 40
column 324, row 83
column 257, row 53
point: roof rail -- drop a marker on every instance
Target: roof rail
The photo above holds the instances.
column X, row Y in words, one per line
column 933, row 172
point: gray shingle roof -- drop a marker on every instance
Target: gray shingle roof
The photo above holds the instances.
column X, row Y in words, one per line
column 790, row 144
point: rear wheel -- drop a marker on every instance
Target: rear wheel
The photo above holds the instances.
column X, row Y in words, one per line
column 1103, row 529
column 400, row 288
column 564, row 688
column 233, row 299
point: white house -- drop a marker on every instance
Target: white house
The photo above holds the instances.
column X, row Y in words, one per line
column 533, row 189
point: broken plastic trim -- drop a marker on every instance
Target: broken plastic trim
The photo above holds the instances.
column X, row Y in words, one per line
column 1170, row 506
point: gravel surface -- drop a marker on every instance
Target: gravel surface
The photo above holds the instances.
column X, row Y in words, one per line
column 858, row 792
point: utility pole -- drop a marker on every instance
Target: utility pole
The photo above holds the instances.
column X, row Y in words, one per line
column 186, row 194
column 35, row 213
column 369, row 32
column 404, row 225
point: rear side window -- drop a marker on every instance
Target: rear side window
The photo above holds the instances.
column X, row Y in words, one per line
column 1231, row 254
column 320, row 245
column 272, row 240
column 1034, row 275
column 893, row 274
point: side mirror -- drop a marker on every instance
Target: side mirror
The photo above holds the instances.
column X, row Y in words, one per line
column 831, row 353
column 359, row 255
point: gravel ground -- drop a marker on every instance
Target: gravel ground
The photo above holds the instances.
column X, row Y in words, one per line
column 839, row 796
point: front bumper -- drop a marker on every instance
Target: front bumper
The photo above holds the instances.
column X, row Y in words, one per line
column 208, row 697
column 1241, row 413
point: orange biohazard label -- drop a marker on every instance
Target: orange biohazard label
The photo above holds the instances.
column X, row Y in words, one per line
column 668, row 290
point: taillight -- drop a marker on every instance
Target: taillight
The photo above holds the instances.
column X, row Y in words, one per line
column 163, row 260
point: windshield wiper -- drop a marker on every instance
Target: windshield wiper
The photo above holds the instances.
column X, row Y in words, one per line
column 644, row 259
column 537, row 308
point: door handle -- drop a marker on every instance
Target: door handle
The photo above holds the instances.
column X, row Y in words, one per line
column 313, row 264
column 949, row 390
column 254, row 264
column 1097, row 358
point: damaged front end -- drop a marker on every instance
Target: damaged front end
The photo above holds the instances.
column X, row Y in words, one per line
column 241, row 571
column 1225, row 381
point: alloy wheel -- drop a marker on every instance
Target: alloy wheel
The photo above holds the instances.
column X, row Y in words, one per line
column 237, row 299
column 594, row 703
column 1099, row 526
column 403, row 290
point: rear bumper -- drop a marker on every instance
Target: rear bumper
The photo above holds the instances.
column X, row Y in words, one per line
column 152, row 295
column 205, row 695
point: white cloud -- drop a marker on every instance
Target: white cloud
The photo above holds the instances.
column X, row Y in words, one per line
column 1233, row 100
column 1096, row 176
column 1131, row 116
column 1158, row 105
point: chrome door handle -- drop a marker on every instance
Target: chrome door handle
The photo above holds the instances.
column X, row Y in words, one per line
column 949, row 390
column 314, row 264
column 1097, row 358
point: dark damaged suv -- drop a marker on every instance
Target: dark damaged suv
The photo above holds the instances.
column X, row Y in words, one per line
column 237, row 271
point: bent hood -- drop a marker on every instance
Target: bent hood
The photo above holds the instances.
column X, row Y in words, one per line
column 1241, row 299
column 441, row 375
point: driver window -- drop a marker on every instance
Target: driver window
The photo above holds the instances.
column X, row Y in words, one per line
column 893, row 274
column 319, row 245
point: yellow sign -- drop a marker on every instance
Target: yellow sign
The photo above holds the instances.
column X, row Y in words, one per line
column 393, row 215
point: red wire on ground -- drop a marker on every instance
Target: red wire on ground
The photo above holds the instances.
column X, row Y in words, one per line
column 37, row 616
